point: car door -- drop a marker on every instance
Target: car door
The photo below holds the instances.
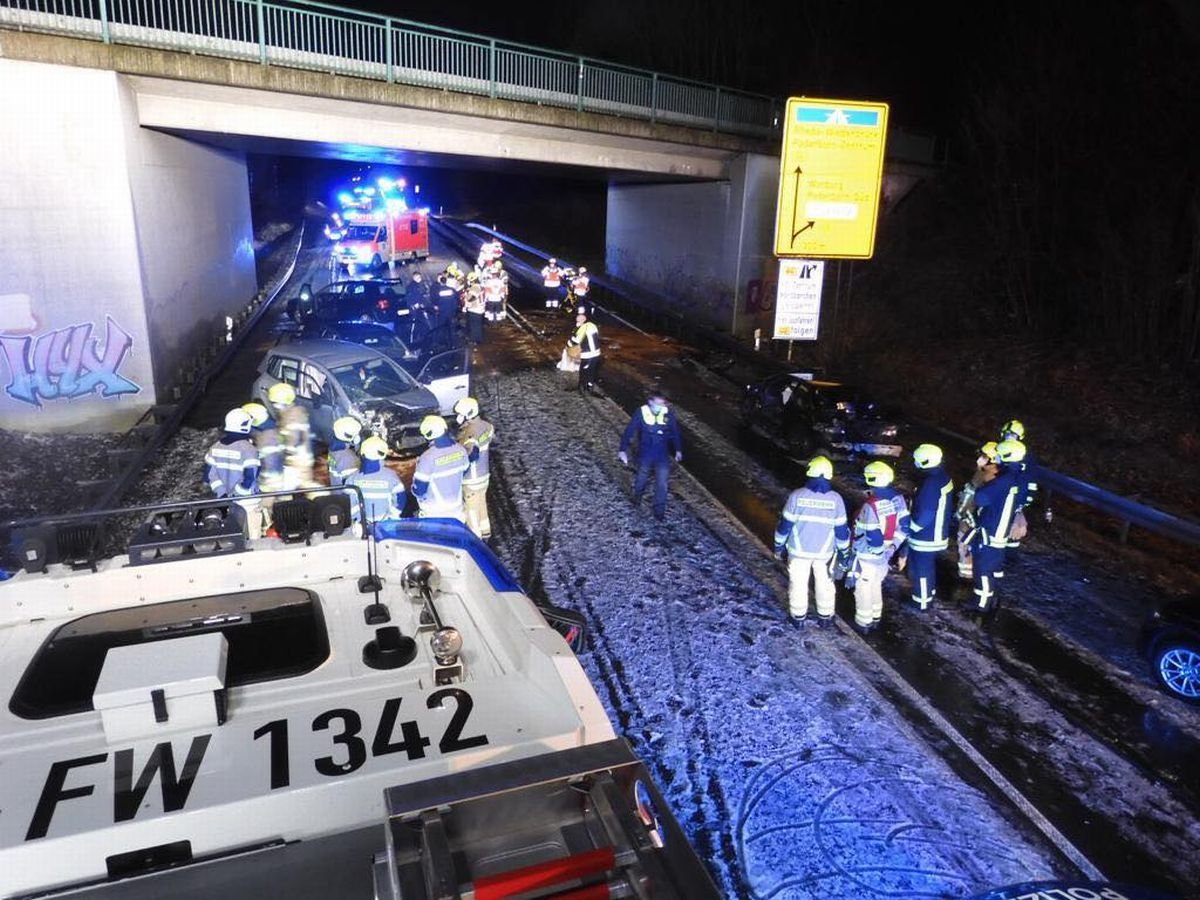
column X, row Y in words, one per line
column 316, row 395
column 448, row 376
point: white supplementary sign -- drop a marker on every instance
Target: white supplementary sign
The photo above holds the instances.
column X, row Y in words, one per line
column 798, row 299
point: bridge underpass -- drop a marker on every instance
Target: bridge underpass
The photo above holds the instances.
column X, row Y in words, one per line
column 130, row 205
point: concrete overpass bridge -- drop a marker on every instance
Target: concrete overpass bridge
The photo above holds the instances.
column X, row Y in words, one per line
column 126, row 235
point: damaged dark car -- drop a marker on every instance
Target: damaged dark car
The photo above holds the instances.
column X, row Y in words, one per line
column 805, row 414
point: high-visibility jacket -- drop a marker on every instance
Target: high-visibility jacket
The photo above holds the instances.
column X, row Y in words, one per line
column 995, row 505
column 551, row 276
column 266, row 441
column 474, row 299
column 657, row 435
column 343, row 462
column 438, row 478
column 881, row 526
column 477, row 434
column 813, row 523
column 930, row 521
column 581, row 284
column 233, row 465
column 587, row 339
column 383, row 493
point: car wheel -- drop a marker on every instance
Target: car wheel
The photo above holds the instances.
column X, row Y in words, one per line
column 1177, row 669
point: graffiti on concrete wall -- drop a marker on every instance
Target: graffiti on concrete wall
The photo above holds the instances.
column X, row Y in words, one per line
column 63, row 364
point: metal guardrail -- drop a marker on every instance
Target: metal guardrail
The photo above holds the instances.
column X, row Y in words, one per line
column 1127, row 512
column 170, row 425
column 310, row 35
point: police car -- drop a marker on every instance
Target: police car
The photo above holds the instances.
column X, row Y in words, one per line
column 319, row 715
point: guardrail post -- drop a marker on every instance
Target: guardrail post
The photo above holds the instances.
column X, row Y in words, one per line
column 262, row 32
column 387, row 36
column 105, row 35
column 717, row 113
column 653, row 97
column 492, row 68
column 579, row 91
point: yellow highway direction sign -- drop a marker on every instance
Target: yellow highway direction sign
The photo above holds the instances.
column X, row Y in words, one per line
column 830, row 174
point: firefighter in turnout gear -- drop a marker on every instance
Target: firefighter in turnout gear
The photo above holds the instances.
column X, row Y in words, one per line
column 475, row 307
column 265, row 435
column 232, row 465
column 552, row 284
column 587, row 338
column 342, row 459
column 657, row 433
column 382, row 490
column 1026, row 473
column 996, row 505
column 879, row 530
column 986, row 468
column 929, row 528
column 581, row 284
column 813, row 534
column 475, row 434
column 295, row 436
column 438, row 479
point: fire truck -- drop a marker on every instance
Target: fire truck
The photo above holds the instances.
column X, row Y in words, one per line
column 375, row 238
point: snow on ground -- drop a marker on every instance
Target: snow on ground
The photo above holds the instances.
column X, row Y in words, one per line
column 791, row 775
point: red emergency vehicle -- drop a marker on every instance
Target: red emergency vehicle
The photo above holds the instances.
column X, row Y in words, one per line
column 381, row 237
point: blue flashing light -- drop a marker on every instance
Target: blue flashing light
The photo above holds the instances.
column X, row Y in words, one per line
column 385, row 184
column 396, row 205
column 345, row 198
column 416, row 189
column 455, row 535
column 369, row 191
column 402, row 184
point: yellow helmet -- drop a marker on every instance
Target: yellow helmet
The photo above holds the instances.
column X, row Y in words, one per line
column 347, row 429
column 878, row 474
column 257, row 412
column 433, row 427
column 926, row 456
column 988, row 450
column 1010, row 451
column 281, row 394
column 819, row 467
column 373, row 448
column 466, row 409
column 1013, row 428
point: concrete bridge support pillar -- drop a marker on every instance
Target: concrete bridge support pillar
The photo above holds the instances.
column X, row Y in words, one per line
column 121, row 250
column 704, row 247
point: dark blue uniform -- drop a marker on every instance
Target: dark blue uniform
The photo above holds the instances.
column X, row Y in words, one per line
column 659, row 442
column 929, row 533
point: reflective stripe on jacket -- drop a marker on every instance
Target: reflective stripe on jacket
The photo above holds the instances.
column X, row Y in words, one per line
column 587, row 339
column 813, row 523
column 477, row 433
column 227, row 465
column 383, row 493
column 930, row 525
column 440, row 470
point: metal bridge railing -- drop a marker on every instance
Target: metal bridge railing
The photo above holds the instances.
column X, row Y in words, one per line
column 311, row 35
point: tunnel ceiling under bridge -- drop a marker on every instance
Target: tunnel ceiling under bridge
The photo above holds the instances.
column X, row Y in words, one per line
column 258, row 121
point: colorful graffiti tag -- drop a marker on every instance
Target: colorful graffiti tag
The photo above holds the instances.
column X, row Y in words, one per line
column 67, row 363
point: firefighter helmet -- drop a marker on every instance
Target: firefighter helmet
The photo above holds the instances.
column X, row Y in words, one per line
column 433, row 427
column 238, row 421
column 347, row 429
column 1010, row 451
column 583, row 270
column 257, row 412
column 926, row 456
column 281, row 394
column 878, row 474
column 374, row 448
column 553, row 261
column 466, row 409
column 988, row 451
column 819, row 467
column 582, row 310
column 1013, row 428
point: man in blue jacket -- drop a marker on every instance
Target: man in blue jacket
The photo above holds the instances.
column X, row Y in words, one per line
column 996, row 505
column 657, row 432
column 929, row 524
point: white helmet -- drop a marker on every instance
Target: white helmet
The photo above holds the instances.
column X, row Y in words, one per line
column 553, row 261
column 466, row 409
column 347, row 429
column 583, row 270
column 238, row 421
column 374, row 448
